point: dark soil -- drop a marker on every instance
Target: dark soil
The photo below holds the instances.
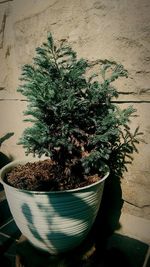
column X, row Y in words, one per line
column 46, row 176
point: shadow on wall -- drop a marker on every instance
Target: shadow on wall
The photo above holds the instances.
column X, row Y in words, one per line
column 107, row 220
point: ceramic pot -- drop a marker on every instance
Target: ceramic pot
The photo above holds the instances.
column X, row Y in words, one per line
column 54, row 221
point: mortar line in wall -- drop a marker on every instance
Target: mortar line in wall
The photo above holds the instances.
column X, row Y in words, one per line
column 5, row 1
column 2, row 29
column 144, row 206
column 117, row 102
column 131, row 101
column 12, row 99
column 127, row 93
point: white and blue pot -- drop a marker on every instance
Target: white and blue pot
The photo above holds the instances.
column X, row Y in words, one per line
column 54, row 221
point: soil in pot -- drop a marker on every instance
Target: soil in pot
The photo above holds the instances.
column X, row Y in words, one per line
column 46, row 175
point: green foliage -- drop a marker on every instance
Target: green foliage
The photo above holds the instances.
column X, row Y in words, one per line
column 74, row 119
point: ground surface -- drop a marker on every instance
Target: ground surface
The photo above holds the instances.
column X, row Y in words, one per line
column 121, row 251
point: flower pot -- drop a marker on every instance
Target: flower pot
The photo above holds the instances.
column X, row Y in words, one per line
column 54, row 221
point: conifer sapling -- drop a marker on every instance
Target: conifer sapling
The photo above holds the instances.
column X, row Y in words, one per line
column 74, row 120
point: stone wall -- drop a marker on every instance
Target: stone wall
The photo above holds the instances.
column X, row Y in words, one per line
column 117, row 30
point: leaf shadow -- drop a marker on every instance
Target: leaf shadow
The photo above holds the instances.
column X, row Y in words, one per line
column 106, row 222
column 54, row 234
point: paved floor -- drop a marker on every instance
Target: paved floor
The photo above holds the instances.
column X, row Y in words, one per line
column 120, row 251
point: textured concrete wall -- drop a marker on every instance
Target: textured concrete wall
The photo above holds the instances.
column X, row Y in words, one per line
column 117, row 30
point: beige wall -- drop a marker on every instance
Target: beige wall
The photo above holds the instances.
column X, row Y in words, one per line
column 114, row 29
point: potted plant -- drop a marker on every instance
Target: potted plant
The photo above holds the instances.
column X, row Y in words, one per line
column 79, row 129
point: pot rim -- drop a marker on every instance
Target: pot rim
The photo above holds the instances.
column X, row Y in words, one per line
column 14, row 163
